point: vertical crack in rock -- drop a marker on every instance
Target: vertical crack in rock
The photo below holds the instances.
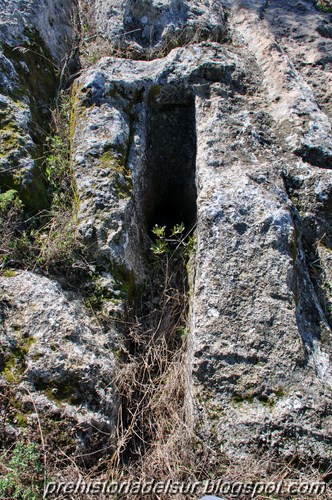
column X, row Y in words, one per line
column 309, row 309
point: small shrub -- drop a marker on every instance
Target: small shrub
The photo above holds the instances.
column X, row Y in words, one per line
column 178, row 240
column 9, row 200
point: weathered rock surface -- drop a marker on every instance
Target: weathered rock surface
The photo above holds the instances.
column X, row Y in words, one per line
column 52, row 20
column 236, row 138
column 305, row 128
column 261, row 346
column 260, row 337
column 58, row 358
column 36, row 39
column 149, row 28
column 305, row 35
column 261, row 342
column 115, row 102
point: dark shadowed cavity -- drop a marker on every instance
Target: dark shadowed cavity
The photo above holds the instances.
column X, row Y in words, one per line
column 169, row 194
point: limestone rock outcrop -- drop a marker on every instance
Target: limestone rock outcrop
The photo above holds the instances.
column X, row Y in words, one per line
column 216, row 115
column 36, row 40
column 58, row 358
column 151, row 28
column 260, row 338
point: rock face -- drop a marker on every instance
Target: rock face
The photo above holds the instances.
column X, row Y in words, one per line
column 230, row 136
column 260, row 339
column 261, row 342
column 150, row 28
column 60, row 359
column 310, row 49
column 136, row 163
column 36, row 39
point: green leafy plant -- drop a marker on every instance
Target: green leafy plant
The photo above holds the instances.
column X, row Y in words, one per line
column 191, row 245
column 57, row 159
column 13, row 238
column 324, row 5
column 9, row 200
column 163, row 243
column 159, row 231
column 160, row 247
column 22, row 472
column 177, row 240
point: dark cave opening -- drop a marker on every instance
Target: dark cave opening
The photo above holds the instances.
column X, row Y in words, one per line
column 169, row 193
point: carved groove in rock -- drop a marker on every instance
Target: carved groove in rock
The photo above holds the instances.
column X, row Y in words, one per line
column 156, row 343
column 169, row 197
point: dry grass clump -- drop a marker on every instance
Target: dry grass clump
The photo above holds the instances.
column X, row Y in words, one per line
column 152, row 382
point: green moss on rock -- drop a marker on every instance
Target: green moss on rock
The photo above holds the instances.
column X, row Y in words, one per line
column 9, row 273
column 38, row 85
column 14, row 360
column 63, row 391
column 120, row 177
